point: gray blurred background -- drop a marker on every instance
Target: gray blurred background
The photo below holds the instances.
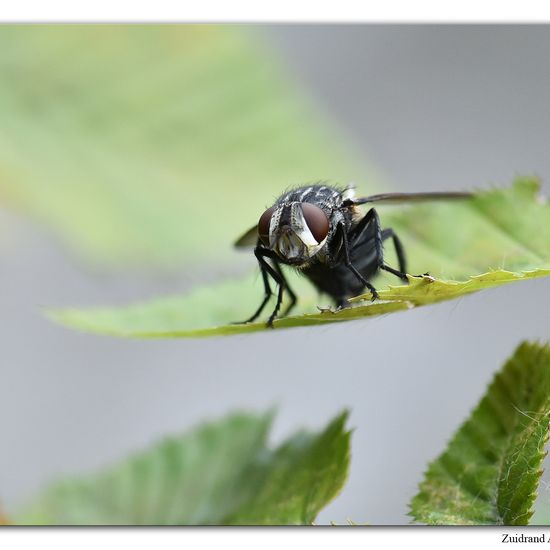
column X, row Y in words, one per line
column 441, row 107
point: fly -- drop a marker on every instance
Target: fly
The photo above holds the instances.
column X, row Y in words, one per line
column 319, row 230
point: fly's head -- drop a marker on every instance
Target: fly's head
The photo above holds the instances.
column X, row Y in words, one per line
column 295, row 231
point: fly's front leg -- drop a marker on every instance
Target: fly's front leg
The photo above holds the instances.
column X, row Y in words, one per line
column 280, row 279
column 293, row 297
column 347, row 261
column 277, row 275
column 268, row 293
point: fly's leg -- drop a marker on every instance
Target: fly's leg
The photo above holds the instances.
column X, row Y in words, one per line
column 267, row 296
column 347, row 261
column 276, row 274
column 279, row 278
column 371, row 217
column 401, row 275
column 293, row 297
column 400, row 252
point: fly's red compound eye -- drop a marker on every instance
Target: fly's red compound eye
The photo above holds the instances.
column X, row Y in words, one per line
column 263, row 225
column 316, row 220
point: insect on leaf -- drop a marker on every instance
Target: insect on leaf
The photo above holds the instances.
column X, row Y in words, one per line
column 490, row 471
column 497, row 237
column 221, row 473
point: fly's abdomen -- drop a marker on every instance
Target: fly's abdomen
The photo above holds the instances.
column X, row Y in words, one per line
column 338, row 282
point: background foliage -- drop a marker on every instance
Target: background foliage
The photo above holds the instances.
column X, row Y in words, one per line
column 489, row 473
column 221, row 473
column 134, row 142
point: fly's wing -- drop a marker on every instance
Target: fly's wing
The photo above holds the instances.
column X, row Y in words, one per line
column 394, row 198
column 250, row 238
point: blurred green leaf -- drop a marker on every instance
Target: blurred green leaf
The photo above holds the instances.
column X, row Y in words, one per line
column 149, row 144
column 490, row 472
column 499, row 236
column 218, row 474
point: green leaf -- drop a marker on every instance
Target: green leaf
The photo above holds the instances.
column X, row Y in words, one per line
column 490, row 472
column 132, row 142
column 218, row 474
column 499, row 236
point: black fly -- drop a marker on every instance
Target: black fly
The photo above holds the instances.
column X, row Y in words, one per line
column 320, row 231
